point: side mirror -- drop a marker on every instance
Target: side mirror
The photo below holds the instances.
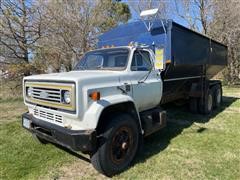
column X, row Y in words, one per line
column 159, row 59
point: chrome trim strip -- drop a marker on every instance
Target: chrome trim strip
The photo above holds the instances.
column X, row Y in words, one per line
column 177, row 79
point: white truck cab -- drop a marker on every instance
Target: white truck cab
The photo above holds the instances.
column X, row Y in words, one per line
column 75, row 109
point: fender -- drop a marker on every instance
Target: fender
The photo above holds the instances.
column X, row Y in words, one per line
column 92, row 115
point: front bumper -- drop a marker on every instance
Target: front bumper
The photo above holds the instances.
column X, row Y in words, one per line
column 77, row 140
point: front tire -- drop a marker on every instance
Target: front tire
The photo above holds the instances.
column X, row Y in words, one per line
column 119, row 147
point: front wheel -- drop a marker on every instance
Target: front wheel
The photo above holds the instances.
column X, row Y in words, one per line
column 119, row 146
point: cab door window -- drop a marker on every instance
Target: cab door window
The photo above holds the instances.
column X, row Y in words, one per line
column 141, row 61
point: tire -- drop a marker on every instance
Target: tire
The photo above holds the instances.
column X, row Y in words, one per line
column 217, row 96
column 121, row 138
column 193, row 105
column 206, row 106
column 39, row 140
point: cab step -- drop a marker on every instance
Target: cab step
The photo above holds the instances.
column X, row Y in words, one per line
column 153, row 120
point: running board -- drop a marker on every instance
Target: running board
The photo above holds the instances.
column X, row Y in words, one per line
column 153, row 120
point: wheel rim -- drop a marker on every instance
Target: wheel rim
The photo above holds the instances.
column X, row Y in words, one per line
column 218, row 96
column 210, row 102
column 121, row 145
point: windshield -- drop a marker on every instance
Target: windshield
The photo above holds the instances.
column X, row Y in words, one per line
column 115, row 59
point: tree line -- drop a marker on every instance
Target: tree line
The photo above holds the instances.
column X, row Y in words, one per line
column 39, row 35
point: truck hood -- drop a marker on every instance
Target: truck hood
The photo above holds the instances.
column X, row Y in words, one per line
column 74, row 75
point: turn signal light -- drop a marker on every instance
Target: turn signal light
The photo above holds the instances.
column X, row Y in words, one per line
column 95, row 96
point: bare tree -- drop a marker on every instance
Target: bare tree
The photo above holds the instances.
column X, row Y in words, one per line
column 20, row 29
column 225, row 27
column 197, row 13
column 73, row 26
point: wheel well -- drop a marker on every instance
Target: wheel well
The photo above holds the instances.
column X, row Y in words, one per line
column 108, row 112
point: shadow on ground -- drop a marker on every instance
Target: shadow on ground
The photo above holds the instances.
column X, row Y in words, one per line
column 74, row 153
column 178, row 118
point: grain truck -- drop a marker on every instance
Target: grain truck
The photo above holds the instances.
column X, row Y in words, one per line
column 113, row 98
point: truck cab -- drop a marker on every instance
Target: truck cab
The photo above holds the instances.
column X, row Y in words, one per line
column 76, row 108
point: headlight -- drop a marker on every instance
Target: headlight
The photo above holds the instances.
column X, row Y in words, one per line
column 67, row 97
column 29, row 91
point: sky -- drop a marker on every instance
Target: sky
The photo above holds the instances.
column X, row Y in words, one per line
column 173, row 16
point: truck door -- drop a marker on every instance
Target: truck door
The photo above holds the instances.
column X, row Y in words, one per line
column 146, row 81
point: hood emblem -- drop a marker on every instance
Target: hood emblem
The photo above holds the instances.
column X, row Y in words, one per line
column 43, row 94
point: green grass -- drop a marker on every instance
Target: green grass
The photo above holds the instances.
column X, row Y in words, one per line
column 190, row 147
column 22, row 157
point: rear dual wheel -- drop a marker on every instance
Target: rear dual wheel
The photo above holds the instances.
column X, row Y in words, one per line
column 121, row 138
column 206, row 104
column 212, row 99
column 217, row 96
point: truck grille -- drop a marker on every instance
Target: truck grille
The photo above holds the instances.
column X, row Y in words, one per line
column 49, row 94
column 53, row 95
column 47, row 115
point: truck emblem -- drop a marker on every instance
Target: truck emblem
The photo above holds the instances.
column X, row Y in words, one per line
column 43, row 94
